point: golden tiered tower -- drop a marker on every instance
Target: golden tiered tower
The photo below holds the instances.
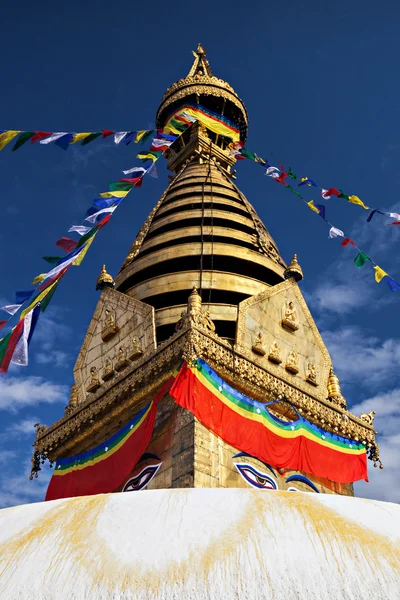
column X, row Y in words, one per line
column 203, row 278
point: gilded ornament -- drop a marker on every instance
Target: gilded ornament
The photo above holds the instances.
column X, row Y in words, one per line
column 122, row 360
column 292, row 363
column 104, row 280
column 275, row 353
column 294, row 270
column 258, row 347
column 368, row 417
column 108, row 371
column 290, row 316
column 110, row 327
column 94, row 383
column 135, row 349
column 311, row 373
column 73, row 400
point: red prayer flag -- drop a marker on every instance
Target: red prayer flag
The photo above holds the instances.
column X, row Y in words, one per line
column 332, row 192
column 347, row 241
column 66, row 244
column 107, row 132
column 395, row 223
column 40, row 135
column 2, row 323
column 136, row 181
column 16, row 334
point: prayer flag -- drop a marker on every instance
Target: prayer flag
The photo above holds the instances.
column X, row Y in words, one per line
column 136, row 181
column 361, row 259
column 53, row 260
column 6, row 137
column 324, row 194
column 7, row 346
column 23, row 137
column 119, row 136
column 106, row 133
column 379, row 274
column 11, row 308
column 64, row 141
column 394, row 216
column 347, row 241
column 93, row 218
column 146, row 136
column 356, row 200
column 22, row 296
column 331, row 192
column 20, row 355
column 54, row 136
column 272, row 172
column 394, row 223
column 307, row 181
column 393, row 285
column 152, row 171
column 66, row 244
column 342, row 195
column 294, row 191
column 322, row 210
column 213, row 121
column 372, row 214
column 312, row 206
column 114, row 194
column 100, row 203
column 85, row 248
column 81, row 229
column 78, row 137
column 291, row 174
column 149, row 155
column 90, row 138
column 40, row 135
column 118, row 186
column 39, row 278
column 334, row 232
column 129, row 137
column 135, row 170
column 2, row 323
column 39, row 298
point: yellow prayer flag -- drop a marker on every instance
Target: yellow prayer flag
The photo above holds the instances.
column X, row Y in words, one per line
column 379, row 274
column 82, row 254
column 6, row 137
column 312, row 206
column 139, row 135
column 147, row 155
column 38, row 299
column 113, row 194
column 78, row 137
column 356, row 200
column 39, row 278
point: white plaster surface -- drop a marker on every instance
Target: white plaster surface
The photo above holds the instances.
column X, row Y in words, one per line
column 201, row 544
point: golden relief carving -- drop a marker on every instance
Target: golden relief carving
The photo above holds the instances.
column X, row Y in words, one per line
column 275, row 353
column 368, row 417
column 110, row 327
column 135, row 349
column 311, row 373
column 73, row 400
column 292, row 363
column 289, row 319
column 94, row 383
column 108, row 371
column 258, row 347
column 122, row 360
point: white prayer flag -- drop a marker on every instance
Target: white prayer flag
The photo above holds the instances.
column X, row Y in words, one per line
column 81, row 229
column 119, row 136
column 20, row 356
column 334, row 232
column 135, row 170
column 53, row 137
column 93, row 218
column 11, row 308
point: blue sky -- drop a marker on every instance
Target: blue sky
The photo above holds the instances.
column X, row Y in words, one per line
column 320, row 84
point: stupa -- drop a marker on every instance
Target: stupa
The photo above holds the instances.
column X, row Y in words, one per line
column 203, row 288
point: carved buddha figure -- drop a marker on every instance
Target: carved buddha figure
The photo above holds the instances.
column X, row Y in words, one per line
column 292, row 362
column 94, row 383
column 110, row 327
column 258, row 347
column 311, row 373
column 290, row 316
column 135, row 349
column 275, row 354
column 108, row 370
column 122, row 360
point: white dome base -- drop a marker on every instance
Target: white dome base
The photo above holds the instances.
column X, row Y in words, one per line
column 201, row 544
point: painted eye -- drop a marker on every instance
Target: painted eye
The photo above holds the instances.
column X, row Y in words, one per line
column 140, row 481
column 256, row 478
column 301, row 479
column 292, row 489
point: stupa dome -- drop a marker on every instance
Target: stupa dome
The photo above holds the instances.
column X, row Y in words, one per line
column 201, row 544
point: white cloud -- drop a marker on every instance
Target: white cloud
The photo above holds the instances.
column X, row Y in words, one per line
column 362, row 359
column 17, row 392
column 384, row 484
column 6, row 456
column 57, row 358
column 19, row 489
column 26, row 426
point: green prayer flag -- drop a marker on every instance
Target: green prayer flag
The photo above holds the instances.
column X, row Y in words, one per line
column 22, row 139
column 146, row 136
column 247, row 154
column 294, row 191
column 291, row 174
column 53, row 260
column 4, row 345
column 90, row 138
column 119, row 186
column 45, row 302
column 361, row 259
column 341, row 195
column 87, row 236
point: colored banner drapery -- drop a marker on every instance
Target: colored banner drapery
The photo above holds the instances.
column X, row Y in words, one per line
column 104, row 468
column 213, row 121
column 248, row 426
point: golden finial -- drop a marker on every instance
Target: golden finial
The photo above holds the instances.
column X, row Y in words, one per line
column 334, row 391
column 294, row 270
column 104, row 280
column 201, row 66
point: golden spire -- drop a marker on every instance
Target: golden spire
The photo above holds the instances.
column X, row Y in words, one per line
column 200, row 66
column 104, row 280
column 294, row 270
column 334, row 391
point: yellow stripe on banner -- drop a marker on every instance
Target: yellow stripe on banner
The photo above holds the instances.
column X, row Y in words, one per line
column 6, row 137
column 38, row 299
column 78, row 137
column 261, row 419
column 113, row 194
column 98, row 459
column 213, row 124
column 82, row 254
